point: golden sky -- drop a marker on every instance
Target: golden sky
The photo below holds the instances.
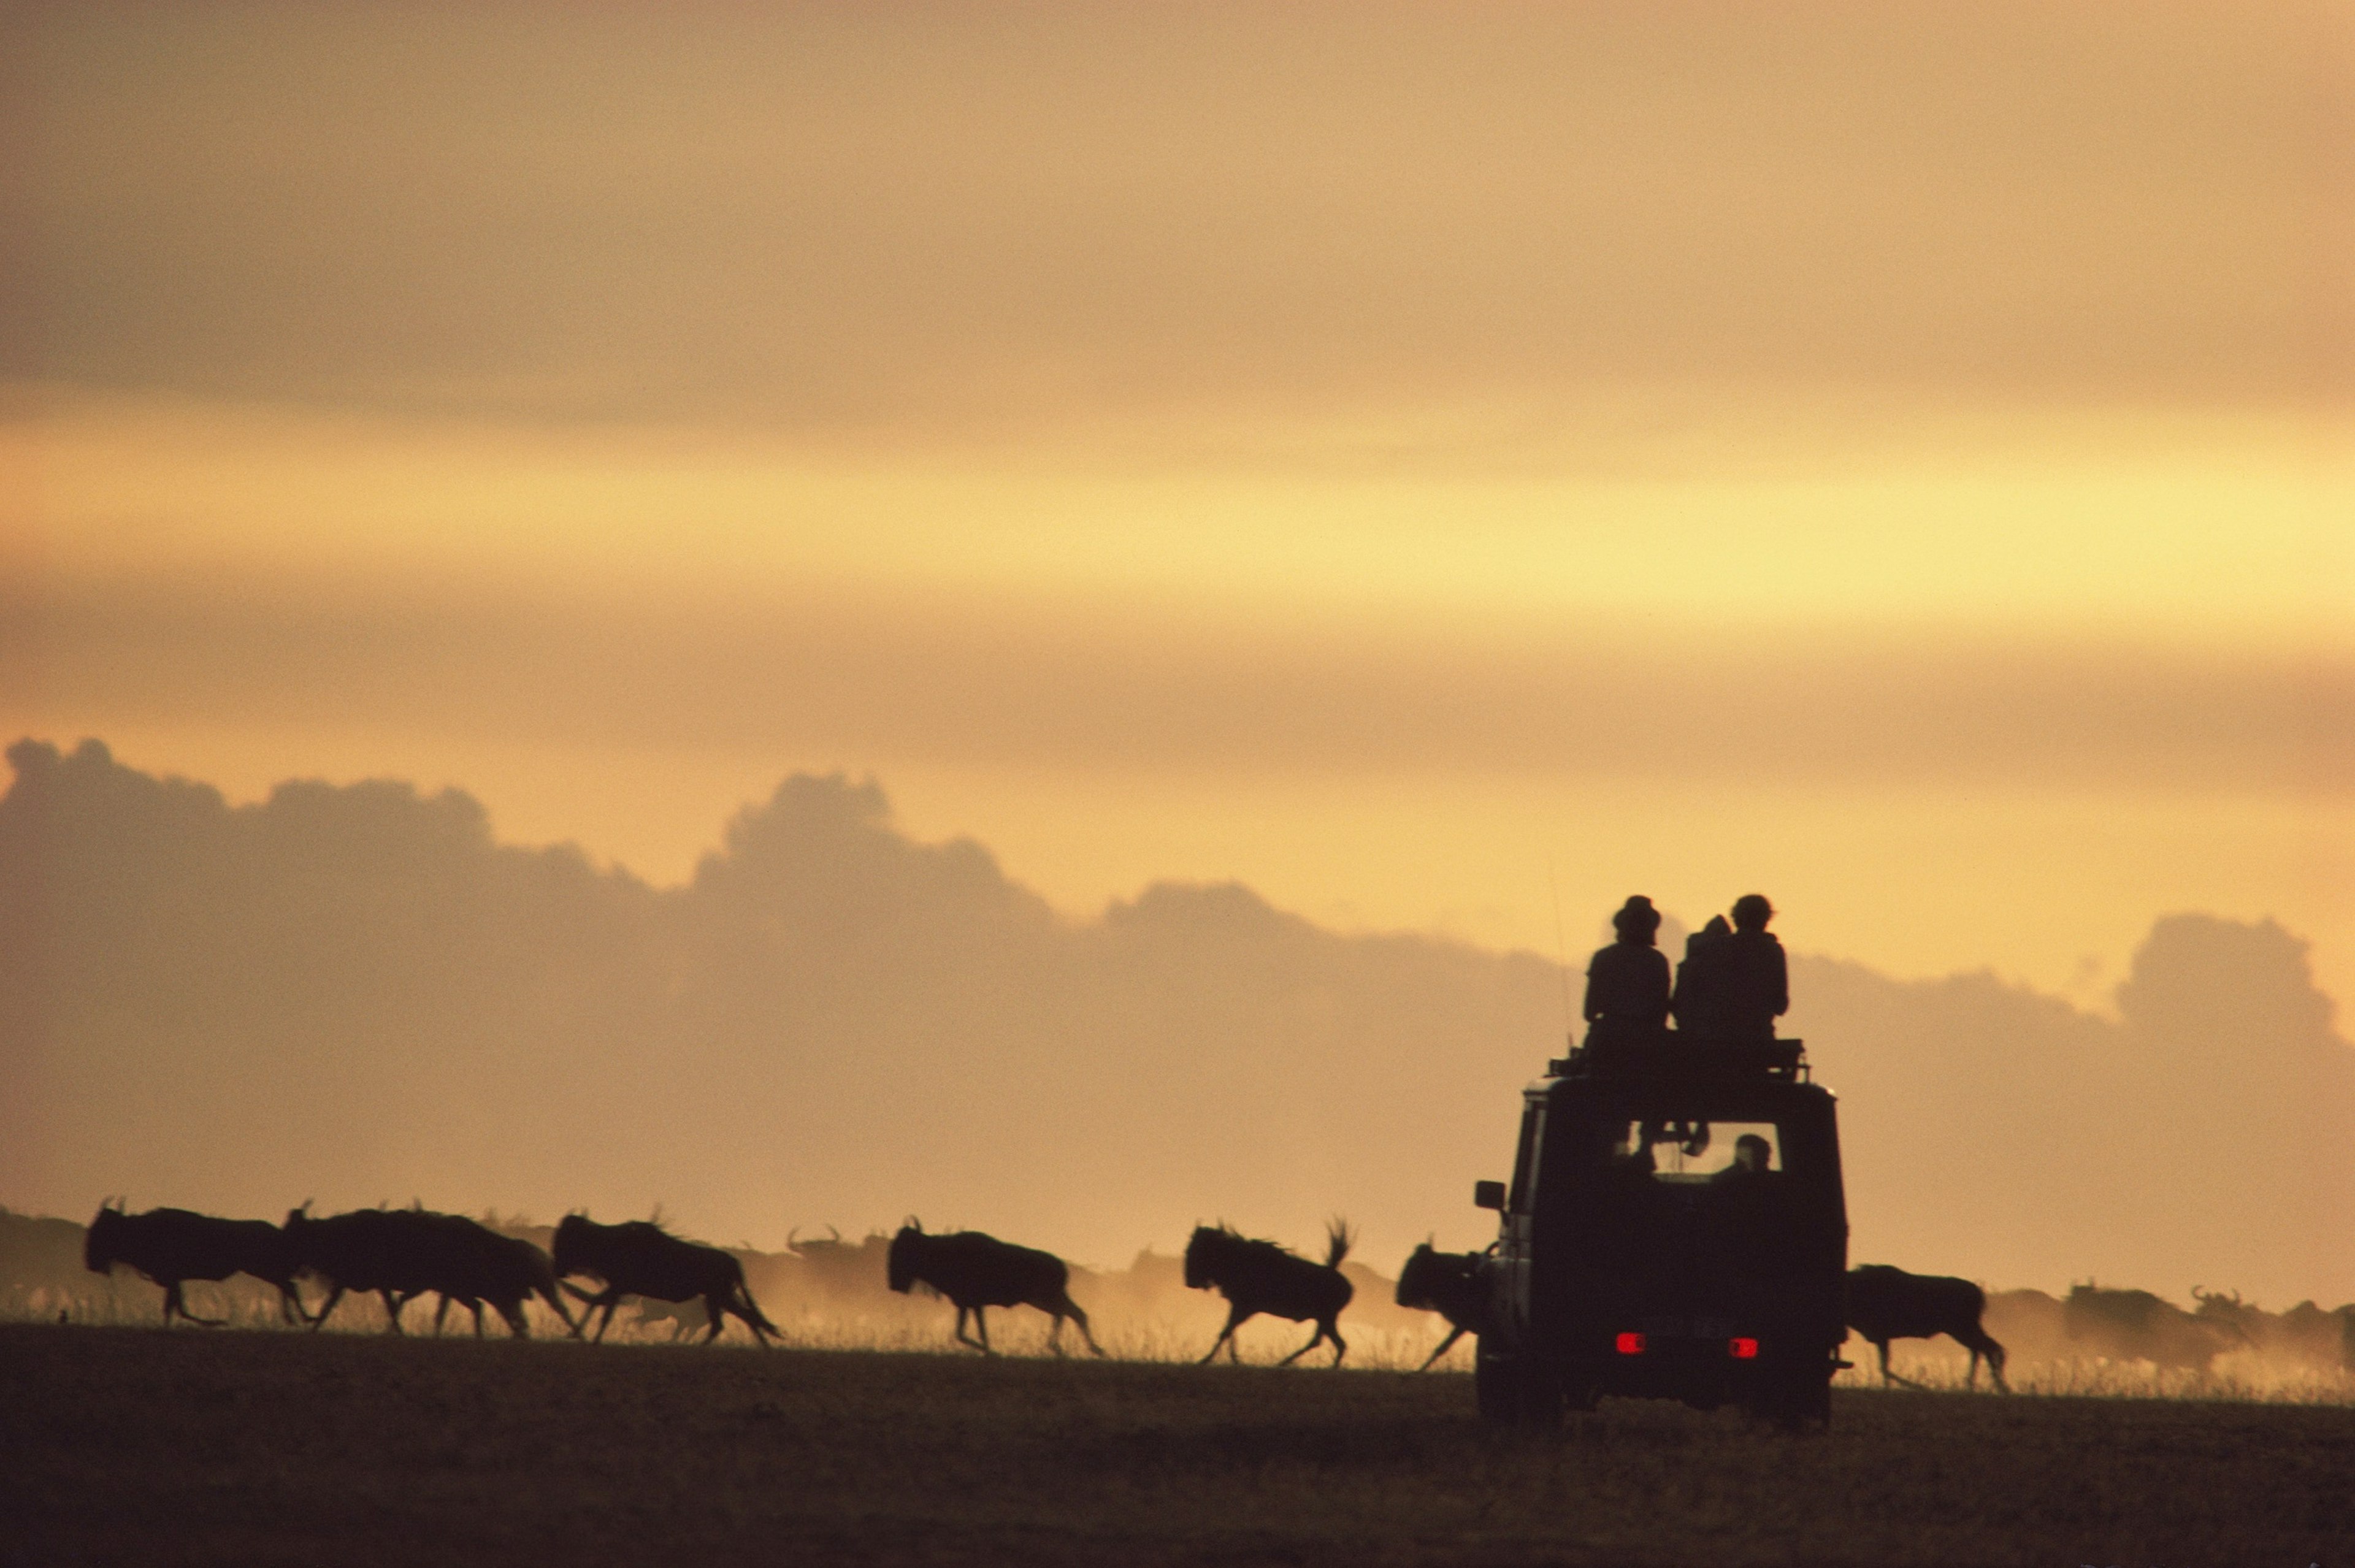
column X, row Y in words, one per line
column 1402, row 457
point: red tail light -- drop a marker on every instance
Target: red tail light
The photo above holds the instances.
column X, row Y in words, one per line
column 1631, row 1344
column 1743, row 1349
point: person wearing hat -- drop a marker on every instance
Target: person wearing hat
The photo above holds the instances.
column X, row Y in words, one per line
column 1757, row 979
column 1628, row 982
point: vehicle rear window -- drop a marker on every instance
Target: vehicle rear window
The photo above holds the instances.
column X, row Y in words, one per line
column 1699, row 1150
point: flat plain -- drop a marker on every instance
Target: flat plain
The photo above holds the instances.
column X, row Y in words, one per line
column 142, row 1445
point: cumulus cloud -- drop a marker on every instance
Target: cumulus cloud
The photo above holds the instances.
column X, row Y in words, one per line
column 353, row 994
column 2191, row 1140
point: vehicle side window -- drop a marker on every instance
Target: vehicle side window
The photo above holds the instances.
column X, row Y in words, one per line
column 1525, row 1160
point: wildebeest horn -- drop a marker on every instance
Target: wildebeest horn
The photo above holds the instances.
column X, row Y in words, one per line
column 833, row 1232
column 913, row 1224
column 792, row 1245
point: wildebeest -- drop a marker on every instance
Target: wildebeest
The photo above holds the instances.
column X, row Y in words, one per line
column 640, row 1258
column 468, row 1262
column 1261, row 1277
column 1886, row 1303
column 2136, row 1325
column 843, row 1272
column 979, row 1272
column 390, row 1252
column 171, row 1246
column 1450, row 1285
column 2304, row 1337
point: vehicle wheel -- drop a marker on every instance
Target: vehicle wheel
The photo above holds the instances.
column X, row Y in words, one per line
column 1796, row 1400
column 1496, row 1388
column 1541, row 1398
column 1816, row 1400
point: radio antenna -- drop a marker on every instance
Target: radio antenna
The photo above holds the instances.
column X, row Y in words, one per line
column 1569, row 1028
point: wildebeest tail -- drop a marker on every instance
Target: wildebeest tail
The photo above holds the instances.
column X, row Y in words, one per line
column 1339, row 1238
column 751, row 1307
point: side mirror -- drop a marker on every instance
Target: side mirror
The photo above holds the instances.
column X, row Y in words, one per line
column 1488, row 1195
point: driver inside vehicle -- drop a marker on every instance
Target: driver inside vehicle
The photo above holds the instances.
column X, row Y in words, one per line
column 1686, row 1149
column 1753, row 1156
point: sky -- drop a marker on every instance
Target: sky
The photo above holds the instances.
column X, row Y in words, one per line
column 1445, row 467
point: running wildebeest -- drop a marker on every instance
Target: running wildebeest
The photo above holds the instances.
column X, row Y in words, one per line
column 979, row 1272
column 1261, row 1277
column 640, row 1258
column 470, row 1263
column 171, row 1246
column 1886, row 1303
column 2136, row 1325
column 848, row 1274
column 1450, row 1285
column 390, row 1252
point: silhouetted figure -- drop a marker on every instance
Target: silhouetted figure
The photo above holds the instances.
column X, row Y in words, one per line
column 171, row 1246
column 1261, row 1277
column 1753, row 1156
column 638, row 1258
column 1758, row 982
column 1703, row 982
column 1885, row 1304
column 979, row 1272
column 1628, row 982
column 1450, row 1285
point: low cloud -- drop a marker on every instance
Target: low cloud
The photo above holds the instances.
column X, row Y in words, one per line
column 353, row 994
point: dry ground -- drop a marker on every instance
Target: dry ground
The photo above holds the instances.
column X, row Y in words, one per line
column 147, row 1446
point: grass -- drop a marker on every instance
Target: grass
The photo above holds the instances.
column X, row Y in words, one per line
column 2245, row 1378
column 920, row 1324
column 139, row 1446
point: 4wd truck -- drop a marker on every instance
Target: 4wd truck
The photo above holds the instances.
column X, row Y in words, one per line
column 1675, row 1229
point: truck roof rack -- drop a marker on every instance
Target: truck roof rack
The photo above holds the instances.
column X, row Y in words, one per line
column 1667, row 1056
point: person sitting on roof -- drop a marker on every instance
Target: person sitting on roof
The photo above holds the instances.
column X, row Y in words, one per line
column 1758, row 983
column 1699, row 1001
column 1628, row 982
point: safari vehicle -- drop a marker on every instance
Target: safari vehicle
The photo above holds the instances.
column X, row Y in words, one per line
column 1675, row 1229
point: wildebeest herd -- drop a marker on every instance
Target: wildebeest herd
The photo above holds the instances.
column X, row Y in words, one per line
column 402, row 1254
column 397, row 1254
